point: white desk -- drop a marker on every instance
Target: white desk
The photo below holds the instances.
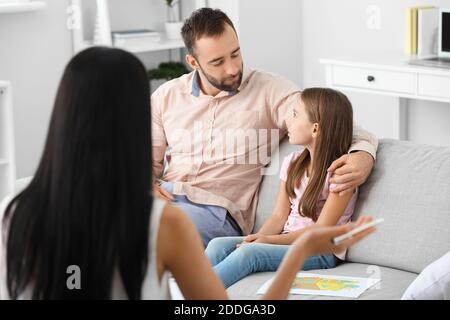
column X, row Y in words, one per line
column 392, row 77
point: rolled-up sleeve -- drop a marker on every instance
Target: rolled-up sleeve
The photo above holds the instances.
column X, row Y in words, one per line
column 159, row 141
column 364, row 141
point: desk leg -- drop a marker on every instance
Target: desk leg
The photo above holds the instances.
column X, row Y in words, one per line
column 401, row 120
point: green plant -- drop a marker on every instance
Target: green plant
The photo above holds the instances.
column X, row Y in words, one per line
column 168, row 71
column 171, row 3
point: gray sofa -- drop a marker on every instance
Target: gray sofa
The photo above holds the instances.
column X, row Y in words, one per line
column 410, row 188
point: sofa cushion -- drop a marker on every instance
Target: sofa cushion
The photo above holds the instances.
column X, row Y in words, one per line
column 393, row 282
column 410, row 188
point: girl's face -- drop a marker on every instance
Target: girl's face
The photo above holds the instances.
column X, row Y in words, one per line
column 301, row 131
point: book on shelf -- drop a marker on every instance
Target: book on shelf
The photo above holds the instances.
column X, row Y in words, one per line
column 421, row 27
column 135, row 33
column 427, row 31
column 135, row 38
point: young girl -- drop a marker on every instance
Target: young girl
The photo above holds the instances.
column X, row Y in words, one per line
column 322, row 122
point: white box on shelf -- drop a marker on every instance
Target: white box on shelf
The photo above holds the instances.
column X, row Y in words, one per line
column 136, row 33
column 136, row 40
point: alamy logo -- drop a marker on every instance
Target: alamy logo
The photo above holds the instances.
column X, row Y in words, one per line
column 375, row 273
column 74, row 19
column 74, row 280
column 373, row 17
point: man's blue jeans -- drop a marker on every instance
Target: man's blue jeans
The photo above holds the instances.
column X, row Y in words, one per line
column 210, row 221
column 232, row 264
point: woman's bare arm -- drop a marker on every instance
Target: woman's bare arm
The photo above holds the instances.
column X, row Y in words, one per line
column 180, row 251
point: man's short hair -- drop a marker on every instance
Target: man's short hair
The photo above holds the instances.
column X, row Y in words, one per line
column 204, row 22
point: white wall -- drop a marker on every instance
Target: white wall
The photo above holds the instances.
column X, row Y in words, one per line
column 270, row 34
column 333, row 29
column 34, row 48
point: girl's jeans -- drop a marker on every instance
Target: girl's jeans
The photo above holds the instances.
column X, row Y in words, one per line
column 232, row 264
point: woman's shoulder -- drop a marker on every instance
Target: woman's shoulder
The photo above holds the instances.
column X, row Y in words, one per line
column 4, row 204
column 176, row 232
column 173, row 219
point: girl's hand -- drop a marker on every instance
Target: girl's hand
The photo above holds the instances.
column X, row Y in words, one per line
column 319, row 240
column 257, row 238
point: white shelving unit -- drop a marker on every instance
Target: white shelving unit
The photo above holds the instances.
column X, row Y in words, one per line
column 7, row 154
column 79, row 43
column 23, row 6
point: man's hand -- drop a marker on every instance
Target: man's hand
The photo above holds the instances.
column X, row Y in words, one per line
column 159, row 192
column 350, row 171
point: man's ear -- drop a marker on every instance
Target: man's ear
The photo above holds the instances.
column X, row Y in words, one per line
column 315, row 131
column 192, row 62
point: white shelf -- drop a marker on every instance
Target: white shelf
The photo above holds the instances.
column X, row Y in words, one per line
column 3, row 162
column 80, row 43
column 156, row 46
column 163, row 44
column 22, row 6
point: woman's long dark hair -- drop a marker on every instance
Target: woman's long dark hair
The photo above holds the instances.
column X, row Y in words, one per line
column 89, row 202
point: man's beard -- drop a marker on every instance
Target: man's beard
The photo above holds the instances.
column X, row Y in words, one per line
column 221, row 84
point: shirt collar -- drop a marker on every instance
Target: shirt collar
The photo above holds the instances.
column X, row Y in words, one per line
column 195, row 91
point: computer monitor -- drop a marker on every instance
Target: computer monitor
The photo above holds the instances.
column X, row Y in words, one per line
column 444, row 33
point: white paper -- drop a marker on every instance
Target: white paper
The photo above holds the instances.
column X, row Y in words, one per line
column 327, row 285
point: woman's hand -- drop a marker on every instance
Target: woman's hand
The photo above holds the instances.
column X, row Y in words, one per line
column 319, row 240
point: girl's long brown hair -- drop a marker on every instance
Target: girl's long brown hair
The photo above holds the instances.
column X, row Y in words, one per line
column 333, row 112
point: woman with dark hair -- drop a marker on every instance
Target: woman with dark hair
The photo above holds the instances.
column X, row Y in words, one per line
column 90, row 206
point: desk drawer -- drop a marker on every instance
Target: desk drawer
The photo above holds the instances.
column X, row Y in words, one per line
column 372, row 79
column 434, row 86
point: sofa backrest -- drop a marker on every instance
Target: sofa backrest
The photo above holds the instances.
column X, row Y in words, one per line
column 410, row 188
column 269, row 186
